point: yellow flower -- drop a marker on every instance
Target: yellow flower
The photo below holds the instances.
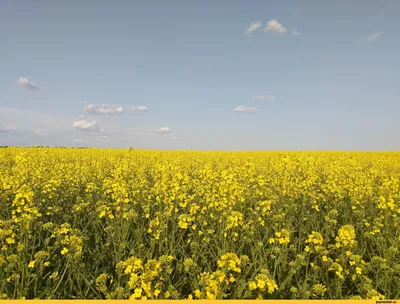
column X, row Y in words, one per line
column 319, row 290
column 31, row 264
column 128, row 269
column 137, row 293
column 261, row 284
column 197, row 293
column 346, row 236
column 231, row 261
column 210, row 296
column 64, row 251
column 10, row 240
column 272, row 286
column 315, row 238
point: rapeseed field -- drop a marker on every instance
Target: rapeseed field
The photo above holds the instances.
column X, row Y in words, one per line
column 138, row 224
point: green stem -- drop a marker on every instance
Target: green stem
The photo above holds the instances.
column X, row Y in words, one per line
column 59, row 282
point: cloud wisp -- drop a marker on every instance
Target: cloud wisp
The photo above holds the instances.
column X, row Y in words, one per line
column 369, row 38
column 86, row 125
column 27, row 84
column 106, row 109
column 252, row 27
column 263, row 97
column 103, row 109
column 139, row 108
column 274, row 27
column 164, row 130
column 244, row 109
column 9, row 131
column 295, row 32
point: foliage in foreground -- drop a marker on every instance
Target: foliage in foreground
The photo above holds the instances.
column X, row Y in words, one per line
column 118, row 224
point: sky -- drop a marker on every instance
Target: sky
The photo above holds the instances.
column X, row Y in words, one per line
column 201, row 75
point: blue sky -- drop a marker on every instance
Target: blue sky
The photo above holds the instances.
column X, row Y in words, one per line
column 326, row 74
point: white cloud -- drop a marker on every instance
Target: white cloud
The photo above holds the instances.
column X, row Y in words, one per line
column 58, row 130
column 38, row 132
column 263, row 97
column 252, row 27
column 275, row 27
column 164, row 130
column 86, row 125
column 295, row 32
column 140, row 108
column 41, row 134
column 31, row 120
column 103, row 109
column 175, row 138
column 24, row 82
column 245, row 109
column 370, row 38
column 8, row 130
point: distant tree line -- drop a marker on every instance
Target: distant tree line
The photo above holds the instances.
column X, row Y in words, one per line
column 49, row 147
column 130, row 148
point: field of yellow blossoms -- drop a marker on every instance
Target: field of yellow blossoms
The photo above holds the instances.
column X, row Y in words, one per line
column 120, row 224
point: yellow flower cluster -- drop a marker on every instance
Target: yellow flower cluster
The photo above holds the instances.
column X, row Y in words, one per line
column 319, row 290
column 263, row 282
column 315, row 239
column 281, row 237
column 358, row 265
column 185, row 221
column 230, row 261
column 346, row 236
column 146, row 280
